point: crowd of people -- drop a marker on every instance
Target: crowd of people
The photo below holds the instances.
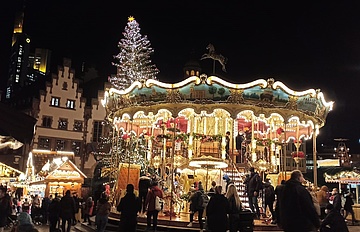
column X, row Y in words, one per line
column 292, row 206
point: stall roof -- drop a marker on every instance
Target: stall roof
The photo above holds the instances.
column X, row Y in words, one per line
column 16, row 124
column 344, row 177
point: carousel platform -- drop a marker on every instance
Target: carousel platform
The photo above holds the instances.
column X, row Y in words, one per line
column 176, row 224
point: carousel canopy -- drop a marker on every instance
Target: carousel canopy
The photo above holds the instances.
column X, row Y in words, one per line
column 262, row 97
column 344, row 177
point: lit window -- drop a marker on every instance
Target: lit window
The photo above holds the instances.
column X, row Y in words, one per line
column 46, row 122
column 55, row 101
column 63, row 124
column 78, row 125
column 70, row 104
column 44, row 143
column 60, row 145
column 76, row 147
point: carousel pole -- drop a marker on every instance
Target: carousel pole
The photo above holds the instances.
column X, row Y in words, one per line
column 314, row 155
column 172, row 170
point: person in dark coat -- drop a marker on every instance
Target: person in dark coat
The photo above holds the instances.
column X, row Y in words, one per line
column 24, row 223
column 278, row 192
column 45, row 209
column 5, row 208
column 196, row 205
column 144, row 185
column 216, row 211
column 333, row 221
column 235, row 207
column 67, row 210
column 348, row 207
column 297, row 211
column 128, row 207
column 337, row 199
column 239, row 140
column 269, row 199
column 150, row 204
column 54, row 213
column 253, row 186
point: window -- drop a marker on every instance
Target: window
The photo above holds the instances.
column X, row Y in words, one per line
column 60, row 145
column 44, row 143
column 46, row 121
column 97, row 131
column 76, row 147
column 55, row 101
column 63, row 123
column 70, row 104
column 78, row 125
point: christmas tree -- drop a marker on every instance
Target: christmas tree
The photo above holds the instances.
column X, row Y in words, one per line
column 134, row 62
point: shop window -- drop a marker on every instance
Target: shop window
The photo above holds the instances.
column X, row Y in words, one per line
column 97, row 131
column 63, row 124
column 44, row 143
column 46, row 121
column 78, row 125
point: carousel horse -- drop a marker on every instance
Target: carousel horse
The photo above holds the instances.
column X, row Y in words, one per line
column 215, row 56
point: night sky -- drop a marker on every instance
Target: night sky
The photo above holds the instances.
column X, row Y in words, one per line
column 305, row 44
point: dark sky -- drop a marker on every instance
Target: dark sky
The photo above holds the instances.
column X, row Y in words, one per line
column 305, row 44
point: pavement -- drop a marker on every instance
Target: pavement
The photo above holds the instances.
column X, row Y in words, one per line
column 45, row 228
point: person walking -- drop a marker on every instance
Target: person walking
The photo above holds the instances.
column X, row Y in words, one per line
column 196, row 205
column 235, row 207
column 333, row 221
column 297, row 211
column 253, row 186
column 144, row 185
column 150, row 204
column 269, row 199
column 129, row 207
column 77, row 216
column 89, row 207
column 278, row 192
column 216, row 211
column 45, row 209
column 5, row 208
column 323, row 198
column 348, row 207
column 336, row 199
column 54, row 213
column 103, row 208
column 67, row 211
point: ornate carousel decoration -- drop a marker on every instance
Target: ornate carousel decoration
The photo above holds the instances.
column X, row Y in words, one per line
column 182, row 127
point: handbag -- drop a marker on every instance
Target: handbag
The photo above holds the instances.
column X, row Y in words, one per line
column 158, row 203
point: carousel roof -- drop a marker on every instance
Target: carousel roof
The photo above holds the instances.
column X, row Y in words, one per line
column 345, row 177
column 262, row 97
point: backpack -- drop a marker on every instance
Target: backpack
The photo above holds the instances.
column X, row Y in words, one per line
column 203, row 200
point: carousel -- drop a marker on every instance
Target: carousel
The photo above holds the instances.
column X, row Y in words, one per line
column 190, row 131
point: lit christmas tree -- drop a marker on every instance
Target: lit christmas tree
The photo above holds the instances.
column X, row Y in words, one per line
column 134, row 62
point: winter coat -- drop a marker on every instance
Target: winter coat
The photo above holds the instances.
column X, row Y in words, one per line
column 335, row 221
column 337, row 202
column 297, row 211
column 103, row 207
column 144, row 184
column 216, row 213
column 348, row 203
column 323, row 196
column 129, row 206
column 5, row 210
column 233, row 209
column 67, row 207
column 253, row 183
column 150, row 197
column 194, row 201
column 269, row 192
column 89, row 206
column 54, row 208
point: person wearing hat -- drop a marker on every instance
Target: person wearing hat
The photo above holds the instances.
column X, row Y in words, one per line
column 129, row 207
column 24, row 224
column 334, row 221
